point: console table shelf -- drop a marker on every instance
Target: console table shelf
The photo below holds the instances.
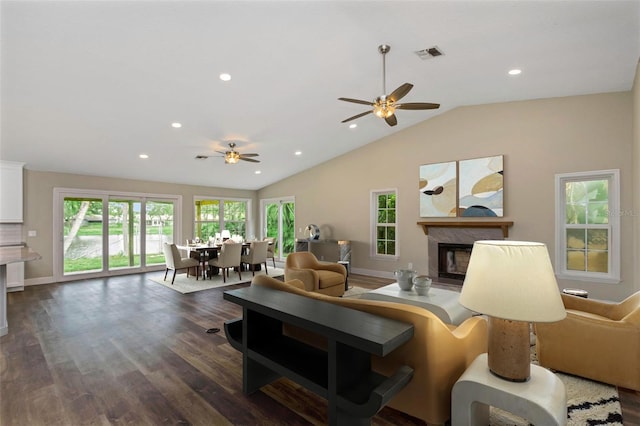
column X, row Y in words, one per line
column 342, row 374
column 504, row 225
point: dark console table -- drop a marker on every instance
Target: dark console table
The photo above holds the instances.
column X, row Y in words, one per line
column 341, row 374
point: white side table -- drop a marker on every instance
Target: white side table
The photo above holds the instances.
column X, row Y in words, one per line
column 542, row 400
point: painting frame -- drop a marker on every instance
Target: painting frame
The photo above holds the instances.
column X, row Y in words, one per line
column 437, row 188
column 481, row 187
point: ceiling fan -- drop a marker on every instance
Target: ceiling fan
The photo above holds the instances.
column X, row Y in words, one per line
column 232, row 156
column 385, row 106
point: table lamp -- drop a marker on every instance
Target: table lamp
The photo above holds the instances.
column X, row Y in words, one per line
column 512, row 282
column 226, row 235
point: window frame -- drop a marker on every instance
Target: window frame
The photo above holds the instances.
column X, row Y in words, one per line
column 613, row 226
column 221, row 222
column 374, row 194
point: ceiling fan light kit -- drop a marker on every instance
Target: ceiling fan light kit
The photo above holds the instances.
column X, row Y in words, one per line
column 232, row 156
column 385, row 106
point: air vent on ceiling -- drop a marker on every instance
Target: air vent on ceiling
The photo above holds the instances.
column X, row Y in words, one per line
column 201, row 157
column 429, row 53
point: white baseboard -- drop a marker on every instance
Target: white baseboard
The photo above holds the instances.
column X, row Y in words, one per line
column 372, row 273
column 39, row 281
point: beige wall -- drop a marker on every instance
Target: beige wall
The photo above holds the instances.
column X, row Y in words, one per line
column 538, row 139
column 38, row 187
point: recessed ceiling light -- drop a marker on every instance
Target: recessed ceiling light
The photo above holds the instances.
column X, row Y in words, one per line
column 353, row 125
column 225, row 77
column 143, row 156
column 515, row 71
column 176, row 125
column 257, row 172
column 298, row 152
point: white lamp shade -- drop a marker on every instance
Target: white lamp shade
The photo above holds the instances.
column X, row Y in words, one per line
column 512, row 280
column 226, row 234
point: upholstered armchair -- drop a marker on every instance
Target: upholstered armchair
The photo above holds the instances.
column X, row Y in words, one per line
column 175, row 261
column 257, row 255
column 597, row 340
column 320, row 277
column 229, row 256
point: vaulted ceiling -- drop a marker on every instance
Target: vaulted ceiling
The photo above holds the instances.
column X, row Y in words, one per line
column 88, row 86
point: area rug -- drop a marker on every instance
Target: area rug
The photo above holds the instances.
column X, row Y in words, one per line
column 185, row 285
column 588, row 403
column 355, row 292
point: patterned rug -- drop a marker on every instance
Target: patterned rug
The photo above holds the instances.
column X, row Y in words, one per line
column 588, row 403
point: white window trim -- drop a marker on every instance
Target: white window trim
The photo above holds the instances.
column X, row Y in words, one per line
column 221, row 200
column 613, row 276
column 373, row 217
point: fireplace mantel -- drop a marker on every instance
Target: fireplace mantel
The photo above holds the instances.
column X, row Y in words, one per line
column 504, row 225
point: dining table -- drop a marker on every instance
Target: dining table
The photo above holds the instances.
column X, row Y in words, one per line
column 203, row 252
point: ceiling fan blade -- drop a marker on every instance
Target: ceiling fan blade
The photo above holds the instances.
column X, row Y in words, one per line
column 400, row 92
column 391, row 120
column 356, row 101
column 251, row 160
column 356, row 116
column 417, row 105
column 249, row 155
column 222, row 152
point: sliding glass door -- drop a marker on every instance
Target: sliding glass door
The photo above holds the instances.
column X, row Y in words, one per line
column 83, row 235
column 104, row 234
column 124, row 233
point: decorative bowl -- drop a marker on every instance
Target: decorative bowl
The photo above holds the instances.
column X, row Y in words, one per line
column 422, row 284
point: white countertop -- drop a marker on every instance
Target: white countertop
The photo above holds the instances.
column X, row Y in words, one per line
column 17, row 254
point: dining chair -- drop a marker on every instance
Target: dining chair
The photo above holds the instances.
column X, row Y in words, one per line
column 175, row 261
column 229, row 256
column 257, row 255
column 271, row 247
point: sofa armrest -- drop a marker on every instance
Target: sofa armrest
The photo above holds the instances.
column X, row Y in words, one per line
column 587, row 305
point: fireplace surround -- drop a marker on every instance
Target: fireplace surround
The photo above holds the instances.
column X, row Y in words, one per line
column 459, row 233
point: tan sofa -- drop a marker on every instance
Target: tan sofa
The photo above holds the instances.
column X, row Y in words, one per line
column 321, row 277
column 597, row 340
column 438, row 353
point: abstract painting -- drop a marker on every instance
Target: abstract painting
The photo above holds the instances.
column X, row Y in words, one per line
column 437, row 187
column 481, row 187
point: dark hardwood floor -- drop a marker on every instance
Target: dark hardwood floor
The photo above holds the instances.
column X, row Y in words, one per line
column 125, row 350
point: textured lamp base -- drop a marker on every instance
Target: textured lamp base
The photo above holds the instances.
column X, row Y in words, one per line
column 508, row 354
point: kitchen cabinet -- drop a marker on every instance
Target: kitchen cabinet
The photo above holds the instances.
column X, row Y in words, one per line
column 11, row 192
column 15, row 276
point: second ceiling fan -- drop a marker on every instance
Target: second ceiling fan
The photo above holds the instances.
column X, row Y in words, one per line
column 385, row 106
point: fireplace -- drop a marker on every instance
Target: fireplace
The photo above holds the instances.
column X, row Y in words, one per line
column 457, row 238
column 453, row 260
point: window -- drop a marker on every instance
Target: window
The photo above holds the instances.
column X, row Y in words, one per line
column 108, row 233
column 207, row 219
column 383, row 212
column 213, row 215
column 588, row 226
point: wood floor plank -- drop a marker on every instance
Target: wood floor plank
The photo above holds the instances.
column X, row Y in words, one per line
column 125, row 350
